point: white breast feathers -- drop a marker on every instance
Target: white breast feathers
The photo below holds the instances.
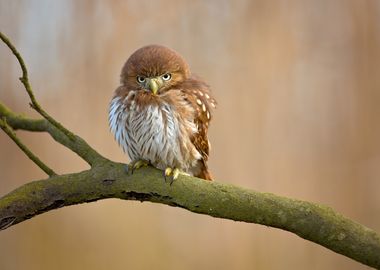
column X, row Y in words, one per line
column 153, row 132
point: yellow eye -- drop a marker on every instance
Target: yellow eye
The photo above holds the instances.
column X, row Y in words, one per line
column 166, row 77
column 140, row 79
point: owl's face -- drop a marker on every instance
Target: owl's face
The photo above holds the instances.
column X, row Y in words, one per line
column 155, row 69
column 155, row 84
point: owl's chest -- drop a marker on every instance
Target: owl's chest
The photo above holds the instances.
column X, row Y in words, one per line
column 158, row 133
column 151, row 130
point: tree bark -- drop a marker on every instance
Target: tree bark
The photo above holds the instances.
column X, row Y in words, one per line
column 317, row 223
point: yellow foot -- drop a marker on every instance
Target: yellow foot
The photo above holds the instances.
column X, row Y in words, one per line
column 171, row 174
column 136, row 164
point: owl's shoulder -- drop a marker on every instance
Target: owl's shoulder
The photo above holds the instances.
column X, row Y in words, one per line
column 194, row 82
column 121, row 92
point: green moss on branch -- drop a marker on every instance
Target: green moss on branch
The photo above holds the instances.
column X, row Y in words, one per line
column 317, row 223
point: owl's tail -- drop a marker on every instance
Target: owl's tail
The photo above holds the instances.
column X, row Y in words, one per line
column 206, row 175
column 204, row 172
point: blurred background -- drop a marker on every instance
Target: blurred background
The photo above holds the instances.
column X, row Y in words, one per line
column 298, row 87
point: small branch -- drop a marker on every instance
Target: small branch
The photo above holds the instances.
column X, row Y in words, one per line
column 310, row 221
column 25, row 81
column 9, row 131
column 79, row 146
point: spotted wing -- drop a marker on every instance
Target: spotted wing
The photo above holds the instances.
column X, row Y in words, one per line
column 199, row 95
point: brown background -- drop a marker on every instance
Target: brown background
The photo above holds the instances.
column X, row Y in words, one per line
column 298, row 87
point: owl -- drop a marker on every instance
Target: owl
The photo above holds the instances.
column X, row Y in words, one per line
column 160, row 114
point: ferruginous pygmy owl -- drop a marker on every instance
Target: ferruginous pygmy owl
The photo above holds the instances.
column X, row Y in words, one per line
column 160, row 113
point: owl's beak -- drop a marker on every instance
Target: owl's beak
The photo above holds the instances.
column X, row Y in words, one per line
column 154, row 85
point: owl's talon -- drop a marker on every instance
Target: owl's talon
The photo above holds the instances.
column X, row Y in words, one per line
column 136, row 164
column 175, row 174
column 172, row 174
column 167, row 173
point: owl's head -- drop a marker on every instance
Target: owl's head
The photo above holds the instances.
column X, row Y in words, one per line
column 154, row 68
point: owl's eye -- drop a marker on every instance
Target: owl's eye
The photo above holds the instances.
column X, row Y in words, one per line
column 166, row 77
column 140, row 79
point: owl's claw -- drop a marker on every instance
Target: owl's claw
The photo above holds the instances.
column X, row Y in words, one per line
column 171, row 174
column 136, row 164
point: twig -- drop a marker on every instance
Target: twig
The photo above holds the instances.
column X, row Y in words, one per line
column 79, row 146
column 75, row 143
column 9, row 131
column 25, row 81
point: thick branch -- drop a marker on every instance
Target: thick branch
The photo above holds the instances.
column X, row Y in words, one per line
column 314, row 222
column 77, row 145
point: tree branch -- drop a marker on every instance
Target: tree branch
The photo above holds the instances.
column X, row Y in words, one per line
column 77, row 145
column 107, row 179
column 25, row 81
column 9, row 131
column 317, row 223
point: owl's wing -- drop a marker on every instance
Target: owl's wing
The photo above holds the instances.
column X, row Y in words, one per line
column 199, row 95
